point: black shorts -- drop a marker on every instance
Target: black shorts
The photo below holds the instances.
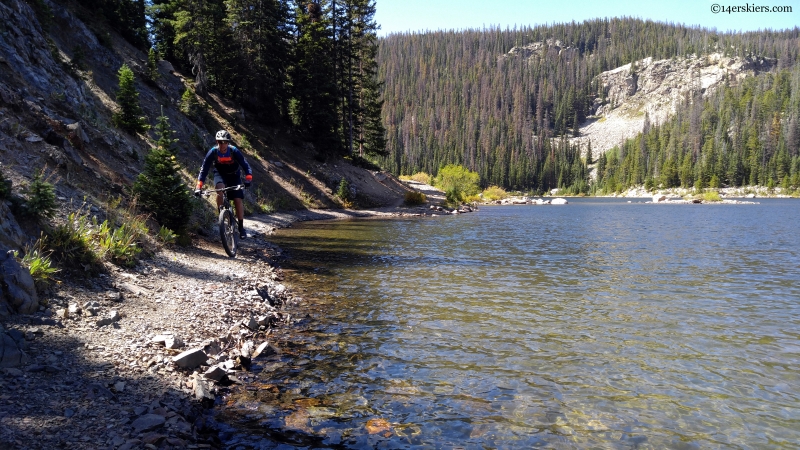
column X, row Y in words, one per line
column 228, row 181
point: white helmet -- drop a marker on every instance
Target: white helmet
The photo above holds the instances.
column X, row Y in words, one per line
column 223, row 135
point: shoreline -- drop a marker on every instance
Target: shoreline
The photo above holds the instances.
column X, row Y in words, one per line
column 106, row 362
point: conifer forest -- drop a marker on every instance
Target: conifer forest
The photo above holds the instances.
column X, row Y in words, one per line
column 460, row 98
column 416, row 102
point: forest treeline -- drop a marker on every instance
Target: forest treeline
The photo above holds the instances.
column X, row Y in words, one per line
column 416, row 102
column 310, row 64
column 460, row 97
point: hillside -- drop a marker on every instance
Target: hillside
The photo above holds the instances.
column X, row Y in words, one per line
column 57, row 99
column 520, row 106
column 83, row 359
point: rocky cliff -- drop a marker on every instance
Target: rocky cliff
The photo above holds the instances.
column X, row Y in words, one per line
column 654, row 89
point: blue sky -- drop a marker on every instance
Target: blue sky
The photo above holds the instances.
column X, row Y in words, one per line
column 419, row 15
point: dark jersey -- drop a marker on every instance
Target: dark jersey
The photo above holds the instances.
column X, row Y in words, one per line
column 226, row 164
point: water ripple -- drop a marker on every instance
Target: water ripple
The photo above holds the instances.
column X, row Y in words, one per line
column 599, row 324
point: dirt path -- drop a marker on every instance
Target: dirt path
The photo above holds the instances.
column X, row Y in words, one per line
column 99, row 373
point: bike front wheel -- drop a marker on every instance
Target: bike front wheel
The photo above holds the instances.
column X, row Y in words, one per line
column 228, row 232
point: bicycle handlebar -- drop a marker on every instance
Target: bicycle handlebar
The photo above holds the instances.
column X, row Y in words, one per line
column 229, row 188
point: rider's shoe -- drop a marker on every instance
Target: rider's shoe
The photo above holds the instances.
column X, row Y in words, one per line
column 242, row 234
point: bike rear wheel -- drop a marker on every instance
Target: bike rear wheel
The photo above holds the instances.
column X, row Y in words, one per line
column 228, row 232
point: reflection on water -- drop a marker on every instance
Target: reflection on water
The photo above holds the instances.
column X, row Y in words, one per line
column 596, row 324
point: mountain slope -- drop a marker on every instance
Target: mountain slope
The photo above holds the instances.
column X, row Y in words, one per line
column 57, row 100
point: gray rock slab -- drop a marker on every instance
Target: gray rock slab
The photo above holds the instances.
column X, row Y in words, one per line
column 202, row 390
column 190, row 358
column 148, row 422
column 265, row 349
column 215, row 373
column 113, row 317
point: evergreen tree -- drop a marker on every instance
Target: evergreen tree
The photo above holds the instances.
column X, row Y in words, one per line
column 152, row 65
column 189, row 104
column 41, row 202
column 313, row 88
column 263, row 35
column 160, row 187
column 129, row 117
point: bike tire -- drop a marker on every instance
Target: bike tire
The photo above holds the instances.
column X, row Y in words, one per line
column 228, row 232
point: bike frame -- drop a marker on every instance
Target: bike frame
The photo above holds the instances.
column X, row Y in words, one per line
column 228, row 225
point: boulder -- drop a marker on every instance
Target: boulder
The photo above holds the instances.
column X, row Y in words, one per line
column 11, row 354
column 17, row 289
column 215, row 373
column 112, row 318
column 202, row 391
column 659, row 198
column 77, row 130
column 558, row 201
column 169, row 341
column 190, row 358
column 11, row 235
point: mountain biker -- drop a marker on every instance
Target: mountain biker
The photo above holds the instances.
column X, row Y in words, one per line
column 228, row 161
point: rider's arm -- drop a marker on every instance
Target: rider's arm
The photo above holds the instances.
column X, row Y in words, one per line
column 207, row 161
column 248, row 172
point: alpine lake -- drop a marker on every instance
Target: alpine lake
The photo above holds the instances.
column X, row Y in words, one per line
column 603, row 323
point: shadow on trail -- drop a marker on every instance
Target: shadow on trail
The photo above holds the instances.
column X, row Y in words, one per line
column 73, row 394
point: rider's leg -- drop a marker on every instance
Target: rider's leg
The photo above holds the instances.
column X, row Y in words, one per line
column 237, row 202
column 219, row 195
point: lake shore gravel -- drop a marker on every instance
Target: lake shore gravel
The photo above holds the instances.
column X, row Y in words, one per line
column 107, row 364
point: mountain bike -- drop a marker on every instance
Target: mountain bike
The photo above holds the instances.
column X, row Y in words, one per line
column 228, row 226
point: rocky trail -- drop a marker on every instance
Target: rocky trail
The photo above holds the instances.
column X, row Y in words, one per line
column 118, row 363
column 135, row 358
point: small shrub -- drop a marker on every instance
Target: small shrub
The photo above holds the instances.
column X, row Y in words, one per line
column 119, row 244
column 265, row 204
column 129, row 117
column 343, row 192
column 5, row 187
column 41, row 202
column 38, row 262
column 189, row 104
column 152, row 65
column 71, row 243
column 244, row 143
column 415, row 198
column 457, row 182
column 166, row 236
column 162, row 190
column 421, row 177
column 712, row 196
column 494, row 193
column 472, row 199
column 453, row 196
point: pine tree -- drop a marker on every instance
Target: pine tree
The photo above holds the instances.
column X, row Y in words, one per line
column 160, row 187
column 189, row 104
column 152, row 65
column 41, row 203
column 129, row 117
column 313, row 88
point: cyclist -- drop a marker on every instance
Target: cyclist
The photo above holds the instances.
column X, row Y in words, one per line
column 228, row 161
